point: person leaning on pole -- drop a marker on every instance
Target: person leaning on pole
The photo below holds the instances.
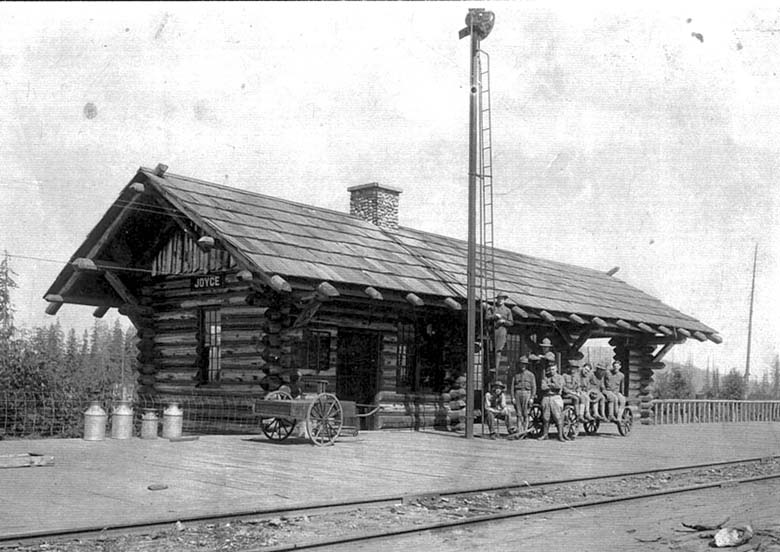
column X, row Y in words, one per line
column 523, row 390
column 552, row 402
column 502, row 318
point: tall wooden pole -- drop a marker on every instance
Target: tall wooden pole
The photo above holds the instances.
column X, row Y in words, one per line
column 471, row 321
column 750, row 317
column 479, row 24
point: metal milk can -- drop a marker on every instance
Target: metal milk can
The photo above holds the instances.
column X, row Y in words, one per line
column 173, row 418
column 122, row 421
column 149, row 424
column 95, row 419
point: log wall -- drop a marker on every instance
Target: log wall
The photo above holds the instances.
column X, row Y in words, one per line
column 259, row 340
column 169, row 345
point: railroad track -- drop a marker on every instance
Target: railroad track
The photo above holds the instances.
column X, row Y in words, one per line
column 86, row 533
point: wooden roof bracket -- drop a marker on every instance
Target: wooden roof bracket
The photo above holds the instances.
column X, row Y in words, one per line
column 584, row 336
column 658, row 357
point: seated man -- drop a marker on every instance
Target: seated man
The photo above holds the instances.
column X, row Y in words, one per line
column 496, row 409
column 613, row 382
column 571, row 389
column 590, row 392
column 552, row 402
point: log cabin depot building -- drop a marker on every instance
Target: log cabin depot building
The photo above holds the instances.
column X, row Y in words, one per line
column 231, row 290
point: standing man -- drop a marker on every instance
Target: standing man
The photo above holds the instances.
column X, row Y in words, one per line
column 613, row 383
column 501, row 316
column 496, row 409
column 523, row 389
column 552, row 402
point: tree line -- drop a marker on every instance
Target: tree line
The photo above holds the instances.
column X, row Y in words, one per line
column 48, row 365
column 677, row 383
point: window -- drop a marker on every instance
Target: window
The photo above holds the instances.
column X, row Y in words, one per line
column 210, row 346
column 317, row 351
column 406, row 356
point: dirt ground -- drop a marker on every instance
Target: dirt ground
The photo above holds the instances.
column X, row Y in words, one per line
column 264, row 532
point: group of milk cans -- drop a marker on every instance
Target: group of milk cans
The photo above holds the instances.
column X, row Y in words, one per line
column 95, row 421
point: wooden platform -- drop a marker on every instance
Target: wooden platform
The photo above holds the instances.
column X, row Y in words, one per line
column 107, row 482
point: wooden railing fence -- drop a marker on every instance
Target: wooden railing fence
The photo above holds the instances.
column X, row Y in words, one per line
column 698, row 411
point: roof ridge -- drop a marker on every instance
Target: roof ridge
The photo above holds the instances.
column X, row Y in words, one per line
column 258, row 194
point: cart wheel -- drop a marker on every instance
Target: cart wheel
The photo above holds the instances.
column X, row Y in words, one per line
column 277, row 429
column 591, row 426
column 626, row 422
column 571, row 426
column 535, row 421
column 324, row 419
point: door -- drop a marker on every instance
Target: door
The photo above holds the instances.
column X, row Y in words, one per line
column 357, row 371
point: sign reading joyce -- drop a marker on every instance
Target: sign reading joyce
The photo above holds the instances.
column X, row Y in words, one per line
column 206, row 282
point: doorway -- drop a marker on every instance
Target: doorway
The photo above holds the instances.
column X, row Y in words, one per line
column 357, row 370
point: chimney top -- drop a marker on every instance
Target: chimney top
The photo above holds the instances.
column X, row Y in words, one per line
column 375, row 203
column 377, row 185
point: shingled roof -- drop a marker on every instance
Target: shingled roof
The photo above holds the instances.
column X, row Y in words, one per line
column 274, row 236
column 296, row 240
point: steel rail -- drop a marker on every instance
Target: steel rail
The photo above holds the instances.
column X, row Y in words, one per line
column 324, row 507
column 488, row 518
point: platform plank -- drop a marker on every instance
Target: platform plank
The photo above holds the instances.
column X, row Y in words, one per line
column 106, row 483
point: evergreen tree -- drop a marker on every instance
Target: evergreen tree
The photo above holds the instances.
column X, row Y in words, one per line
column 716, row 384
column 706, row 390
column 733, row 387
column 7, row 283
column 679, row 385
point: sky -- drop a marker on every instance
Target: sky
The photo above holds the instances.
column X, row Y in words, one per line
column 645, row 138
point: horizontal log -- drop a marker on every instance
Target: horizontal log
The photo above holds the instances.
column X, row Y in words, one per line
column 700, row 336
column 100, row 312
column 182, row 339
column 414, row 300
column 547, row 316
column 279, row 284
column 452, row 304
column 623, row 324
column 683, row 331
column 599, row 322
column 645, row 328
column 520, row 312
column 216, row 302
column 52, row 308
column 665, row 330
column 576, row 319
column 373, row 293
column 326, row 291
column 715, row 338
column 175, row 315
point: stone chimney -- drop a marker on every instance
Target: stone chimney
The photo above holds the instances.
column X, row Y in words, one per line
column 375, row 204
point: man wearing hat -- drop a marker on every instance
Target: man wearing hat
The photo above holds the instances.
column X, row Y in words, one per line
column 571, row 389
column 501, row 316
column 496, row 409
column 613, row 382
column 523, row 389
column 552, row 402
